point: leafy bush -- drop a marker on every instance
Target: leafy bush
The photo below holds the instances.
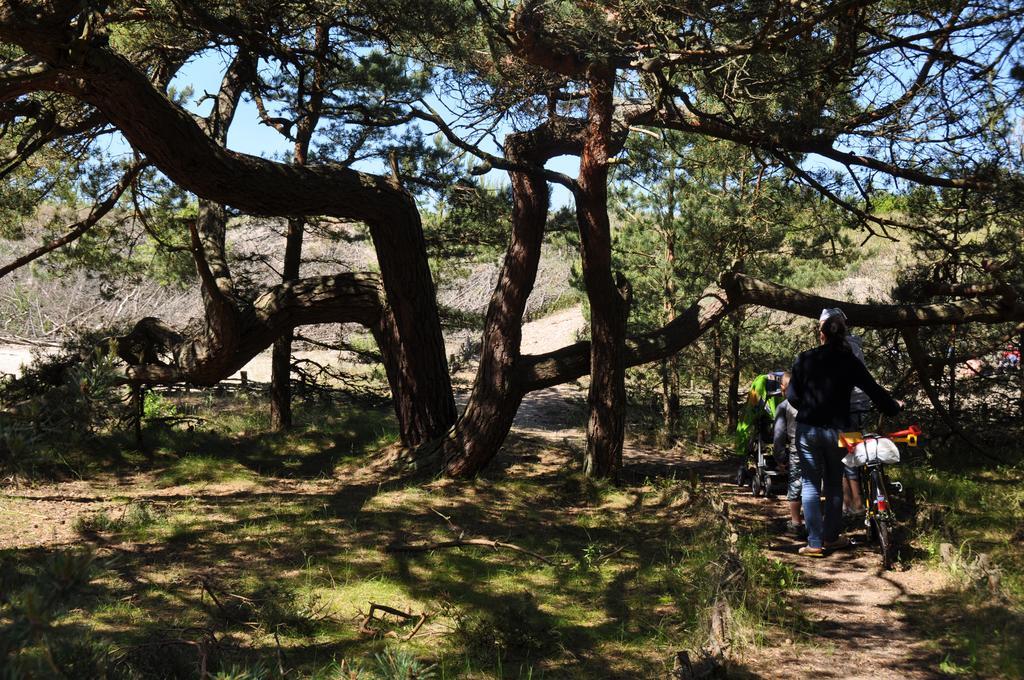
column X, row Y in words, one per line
column 156, row 405
column 31, row 642
column 400, row 664
column 515, row 629
column 62, row 400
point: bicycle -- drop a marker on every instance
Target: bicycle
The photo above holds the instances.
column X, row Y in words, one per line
column 871, row 453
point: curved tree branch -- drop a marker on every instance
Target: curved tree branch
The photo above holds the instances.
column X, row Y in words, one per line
column 811, row 144
column 747, row 290
column 25, row 75
column 574, row 143
column 736, row 290
column 97, row 213
column 159, row 354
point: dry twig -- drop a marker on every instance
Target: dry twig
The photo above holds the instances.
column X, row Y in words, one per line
column 365, row 628
column 463, row 542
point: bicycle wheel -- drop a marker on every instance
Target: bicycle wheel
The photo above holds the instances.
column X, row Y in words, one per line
column 886, row 542
column 882, row 521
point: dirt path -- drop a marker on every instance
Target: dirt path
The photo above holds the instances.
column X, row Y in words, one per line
column 856, row 630
column 853, row 607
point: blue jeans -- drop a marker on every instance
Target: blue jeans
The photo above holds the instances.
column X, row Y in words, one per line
column 821, row 467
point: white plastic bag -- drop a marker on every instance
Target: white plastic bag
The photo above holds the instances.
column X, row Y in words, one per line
column 880, row 448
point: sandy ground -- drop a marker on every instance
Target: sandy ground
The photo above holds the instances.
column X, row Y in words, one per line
column 551, row 332
column 12, row 357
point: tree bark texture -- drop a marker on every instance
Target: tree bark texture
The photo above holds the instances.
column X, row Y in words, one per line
column 281, row 360
column 497, row 391
column 157, row 353
column 747, row 290
column 609, row 297
column 492, row 405
column 733, row 396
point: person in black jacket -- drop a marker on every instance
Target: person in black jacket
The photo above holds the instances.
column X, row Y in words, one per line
column 819, row 388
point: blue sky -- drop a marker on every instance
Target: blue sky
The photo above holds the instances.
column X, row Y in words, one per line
column 248, row 135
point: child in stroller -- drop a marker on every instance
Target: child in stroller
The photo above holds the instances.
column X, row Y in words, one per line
column 759, row 467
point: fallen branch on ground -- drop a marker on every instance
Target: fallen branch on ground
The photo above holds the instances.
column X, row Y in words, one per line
column 716, row 449
column 365, row 629
column 464, row 542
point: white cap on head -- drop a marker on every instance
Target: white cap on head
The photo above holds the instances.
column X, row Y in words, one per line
column 830, row 312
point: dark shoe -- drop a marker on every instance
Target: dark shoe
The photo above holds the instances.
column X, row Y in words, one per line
column 808, row 551
column 798, row 530
column 838, row 544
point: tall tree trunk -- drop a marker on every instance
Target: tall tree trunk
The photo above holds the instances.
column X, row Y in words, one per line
column 716, row 381
column 221, row 333
column 609, row 297
column 670, row 391
column 409, row 335
column 498, row 389
column 281, row 360
column 734, row 378
column 487, row 418
column 670, row 367
column 310, row 109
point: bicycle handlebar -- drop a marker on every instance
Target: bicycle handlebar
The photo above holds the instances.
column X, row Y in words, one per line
column 907, row 436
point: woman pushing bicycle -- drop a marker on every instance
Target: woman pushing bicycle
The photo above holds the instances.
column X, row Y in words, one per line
column 820, row 385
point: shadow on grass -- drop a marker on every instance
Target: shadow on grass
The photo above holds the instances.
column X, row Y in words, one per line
column 320, row 440
column 276, row 569
column 623, row 596
column 971, row 634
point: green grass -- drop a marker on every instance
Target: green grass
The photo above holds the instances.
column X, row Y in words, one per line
column 281, row 562
column 193, row 469
column 977, row 632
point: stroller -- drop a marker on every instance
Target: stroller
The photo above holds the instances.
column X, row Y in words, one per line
column 759, row 468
